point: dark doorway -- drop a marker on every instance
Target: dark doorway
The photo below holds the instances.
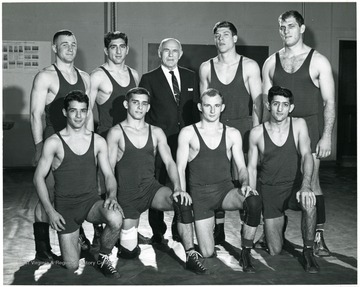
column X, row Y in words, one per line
column 346, row 137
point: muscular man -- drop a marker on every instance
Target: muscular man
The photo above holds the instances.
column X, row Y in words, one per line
column 208, row 147
column 109, row 84
column 72, row 154
column 50, row 86
column 174, row 93
column 132, row 147
column 308, row 75
column 237, row 78
column 283, row 144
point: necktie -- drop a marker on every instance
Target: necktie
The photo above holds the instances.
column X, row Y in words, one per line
column 175, row 87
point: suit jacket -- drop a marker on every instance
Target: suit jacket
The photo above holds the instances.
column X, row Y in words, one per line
column 164, row 112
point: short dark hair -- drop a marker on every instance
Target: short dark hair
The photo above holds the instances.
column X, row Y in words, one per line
column 211, row 93
column 109, row 36
column 225, row 24
column 137, row 91
column 292, row 13
column 280, row 91
column 76, row 95
column 62, row 33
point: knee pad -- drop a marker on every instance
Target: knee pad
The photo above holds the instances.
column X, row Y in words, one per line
column 252, row 207
column 183, row 213
column 320, row 209
column 127, row 254
column 129, row 238
column 219, row 213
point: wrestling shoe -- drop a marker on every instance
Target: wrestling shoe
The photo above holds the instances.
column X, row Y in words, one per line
column 104, row 265
column 193, row 263
column 245, row 260
column 219, row 233
column 311, row 265
column 127, row 254
column 143, row 239
column 320, row 248
column 46, row 256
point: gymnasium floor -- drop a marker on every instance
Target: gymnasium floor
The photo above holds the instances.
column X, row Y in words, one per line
column 164, row 265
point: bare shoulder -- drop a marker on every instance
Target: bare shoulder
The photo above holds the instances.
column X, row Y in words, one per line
column 114, row 131
column 133, row 71
column 47, row 73
column 270, row 61
column 187, row 132
column 157, row 131
column 256, row 132
column 84, row 75
column 97, row 72
column 299, row 123
column 52, row 142
column 319, row 60
column 205, row 67
column 249, row 63
column 233, row 132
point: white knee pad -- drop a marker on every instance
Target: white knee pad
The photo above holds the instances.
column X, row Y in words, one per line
column 129, row 238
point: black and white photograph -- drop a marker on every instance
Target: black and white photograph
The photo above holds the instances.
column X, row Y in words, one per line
column 179, row 143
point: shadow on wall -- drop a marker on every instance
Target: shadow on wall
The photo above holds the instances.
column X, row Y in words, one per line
column 17, row 138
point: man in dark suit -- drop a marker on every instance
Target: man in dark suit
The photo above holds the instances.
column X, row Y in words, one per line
column 174, row 94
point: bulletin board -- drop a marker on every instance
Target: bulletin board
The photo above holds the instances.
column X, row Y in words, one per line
column 22, row 60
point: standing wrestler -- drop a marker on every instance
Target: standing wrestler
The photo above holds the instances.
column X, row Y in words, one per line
column 208, row 147
column 308, row 75
column 174, row 94
column 72, row 154
column 109, row 84
column 50, row 86
column 132, row 147
column 237, row 78
column 283, row 144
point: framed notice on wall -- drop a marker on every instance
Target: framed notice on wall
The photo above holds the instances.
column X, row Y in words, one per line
column 25, row 56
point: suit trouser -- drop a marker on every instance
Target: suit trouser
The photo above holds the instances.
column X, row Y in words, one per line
column 156, row 217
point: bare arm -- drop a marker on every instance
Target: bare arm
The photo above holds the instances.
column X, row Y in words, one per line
column 90, row 117
column 267, row 82
column 171, row 168
column 204, row 74
column 182, row 155
column 253, row 156
column 37, row 108
column 110, row 181
column 327, row 88
column 165, row 153
column 43, row 168
column 113, row 139
column 305, row 194
column 238, row 156
column 254, row 80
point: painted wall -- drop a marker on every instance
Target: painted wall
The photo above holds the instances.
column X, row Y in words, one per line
column 190, row 22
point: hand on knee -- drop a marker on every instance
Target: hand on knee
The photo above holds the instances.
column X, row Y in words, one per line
column 183, row 213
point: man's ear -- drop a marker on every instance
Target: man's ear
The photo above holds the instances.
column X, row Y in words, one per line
column 292, row 107
column 106, row 51
column 222, row 107
column 64, row 113
column 53, row 47
column 302, row 29
column 199, row 107
column 126, row 104
column 267, row 104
